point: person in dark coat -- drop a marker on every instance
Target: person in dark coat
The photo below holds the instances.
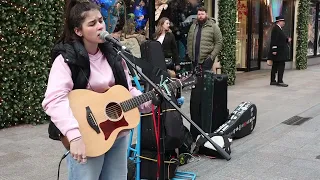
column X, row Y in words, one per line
column 164, row 35
column 279, row 52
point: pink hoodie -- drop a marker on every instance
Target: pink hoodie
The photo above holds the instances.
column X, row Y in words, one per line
column 56, row 103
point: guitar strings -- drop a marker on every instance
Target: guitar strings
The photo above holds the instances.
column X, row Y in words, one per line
column 117, row 107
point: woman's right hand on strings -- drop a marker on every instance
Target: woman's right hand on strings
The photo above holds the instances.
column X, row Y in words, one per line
column 78, row 150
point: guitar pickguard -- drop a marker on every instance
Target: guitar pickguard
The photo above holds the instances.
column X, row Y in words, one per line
column 109, row 126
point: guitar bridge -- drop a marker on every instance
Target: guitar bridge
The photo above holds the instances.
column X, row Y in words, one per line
column 92, row 121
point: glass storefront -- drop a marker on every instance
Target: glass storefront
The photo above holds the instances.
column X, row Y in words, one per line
column 248, row 34
column 274, row 8
column 242, row 34
column 318, row 29
column 255, row 20
column 254, row 39
column 313, row 30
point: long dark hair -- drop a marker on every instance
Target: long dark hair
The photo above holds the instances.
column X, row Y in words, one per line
column 75, row 14
column 159, row 28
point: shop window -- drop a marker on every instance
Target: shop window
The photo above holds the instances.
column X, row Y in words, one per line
column 274, row 8
column 311, row 29
column 318, row 38
column 242, row 34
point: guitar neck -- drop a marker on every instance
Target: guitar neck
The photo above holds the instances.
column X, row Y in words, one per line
column 138, row 100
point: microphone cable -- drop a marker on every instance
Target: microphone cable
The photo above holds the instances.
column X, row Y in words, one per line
column 64, row 156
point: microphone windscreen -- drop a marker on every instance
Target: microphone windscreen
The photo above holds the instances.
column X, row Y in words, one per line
column 103, row 35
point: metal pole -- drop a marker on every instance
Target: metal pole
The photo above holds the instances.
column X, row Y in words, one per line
column 152, row 24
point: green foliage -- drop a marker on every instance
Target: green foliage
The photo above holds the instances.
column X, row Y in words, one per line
column 227, row 24
column 302, row 34
column 27, row 33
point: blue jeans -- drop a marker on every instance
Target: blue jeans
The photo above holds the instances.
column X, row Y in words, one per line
column 110, row 166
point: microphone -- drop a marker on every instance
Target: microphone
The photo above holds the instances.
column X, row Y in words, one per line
column 105, row 36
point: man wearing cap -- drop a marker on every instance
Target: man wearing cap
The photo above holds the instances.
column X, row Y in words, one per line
column 279, row 52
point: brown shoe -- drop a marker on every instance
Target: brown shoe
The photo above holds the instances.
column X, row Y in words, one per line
column 282, row 85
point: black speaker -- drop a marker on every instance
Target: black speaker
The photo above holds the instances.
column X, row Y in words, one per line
column 214, row 108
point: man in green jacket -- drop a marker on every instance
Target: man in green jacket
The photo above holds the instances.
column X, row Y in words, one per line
column 204, row 40
column 204, row 44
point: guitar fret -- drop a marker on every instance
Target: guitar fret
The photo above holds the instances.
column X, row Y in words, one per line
column 124, row 105
column 135, row 101
column 152, row 95
column 131, row 102
column 127, row 105
column 144, row 98
column 147, row 96
column 141, row 101
column 138, row 101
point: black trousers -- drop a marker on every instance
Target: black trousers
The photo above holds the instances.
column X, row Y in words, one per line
column 277, row 67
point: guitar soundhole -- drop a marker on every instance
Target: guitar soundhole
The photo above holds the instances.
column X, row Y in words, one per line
column 113, row 111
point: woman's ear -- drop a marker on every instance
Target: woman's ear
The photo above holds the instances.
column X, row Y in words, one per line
column 78, row 32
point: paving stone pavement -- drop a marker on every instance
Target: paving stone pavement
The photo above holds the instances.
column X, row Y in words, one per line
column 273, row 151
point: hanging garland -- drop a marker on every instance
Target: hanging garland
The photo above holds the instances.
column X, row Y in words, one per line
column 227, row 23
column 302, row 34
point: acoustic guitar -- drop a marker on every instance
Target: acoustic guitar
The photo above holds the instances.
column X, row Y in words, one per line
column 102, row 116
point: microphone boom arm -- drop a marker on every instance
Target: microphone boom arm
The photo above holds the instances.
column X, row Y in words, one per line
column 222, row 152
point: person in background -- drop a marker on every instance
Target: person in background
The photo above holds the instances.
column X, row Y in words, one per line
column 81, row 47
column 203, row 45
column 164, row 35
column 168, row 42
column 279, row 52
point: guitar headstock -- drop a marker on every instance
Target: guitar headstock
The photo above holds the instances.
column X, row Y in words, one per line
column 189, row 80
column 198, row 71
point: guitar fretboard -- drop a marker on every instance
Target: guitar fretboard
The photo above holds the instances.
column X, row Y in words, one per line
column 138, row 100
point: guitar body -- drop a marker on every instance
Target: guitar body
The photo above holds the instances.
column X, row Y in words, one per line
column 86, row 104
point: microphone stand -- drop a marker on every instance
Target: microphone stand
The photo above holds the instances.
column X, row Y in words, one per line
column 222, row 152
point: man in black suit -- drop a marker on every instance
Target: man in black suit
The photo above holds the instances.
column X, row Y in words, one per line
column 279, row 52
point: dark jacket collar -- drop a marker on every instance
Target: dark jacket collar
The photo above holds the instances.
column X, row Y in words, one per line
column 73, row 53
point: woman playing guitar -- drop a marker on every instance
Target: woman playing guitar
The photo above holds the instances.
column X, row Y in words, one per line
column 81, row 49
